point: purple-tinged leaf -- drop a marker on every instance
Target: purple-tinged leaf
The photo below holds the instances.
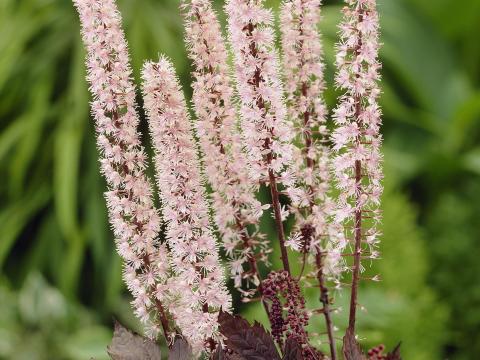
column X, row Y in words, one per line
column 293, row 350
column 127, row 345
column 223, row 354
column 249, row 342
column 395, row 354
column 219, row 354
column 180, row 350
column 351, row 347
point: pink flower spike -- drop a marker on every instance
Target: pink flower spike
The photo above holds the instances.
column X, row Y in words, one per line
column 318, row 237
column 132, row 214
column 266, row 133
column 303, row 65
column 197, row 288
column 234, row 202
column 357, row 163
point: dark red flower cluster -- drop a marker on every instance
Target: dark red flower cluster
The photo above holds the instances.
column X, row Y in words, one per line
column 288, row 318
column 307, row 231
column 376, row 353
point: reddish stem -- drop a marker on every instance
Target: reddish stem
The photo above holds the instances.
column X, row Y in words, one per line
column 356, row 257
column 278, row 217
column 358, row 211
column 325, row 300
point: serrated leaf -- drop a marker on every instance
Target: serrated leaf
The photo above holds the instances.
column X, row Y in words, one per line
column 180, row 350
column 394, row 354
column 249, row 342
column 129, row 346
column 222, row 354
column 219, row 354
column 351, row 348
column 293, row 350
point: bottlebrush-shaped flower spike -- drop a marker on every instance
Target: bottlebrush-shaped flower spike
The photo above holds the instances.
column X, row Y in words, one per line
column 357, row 141
column 303, row 66
column 199, row 282
column 267, row 135
column 133, row 217
column 234, row 202
column 319, row 239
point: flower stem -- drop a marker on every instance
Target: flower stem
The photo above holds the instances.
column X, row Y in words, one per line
column 356, row 255
column 278, row 217
column 357, row 236
column 324, row 299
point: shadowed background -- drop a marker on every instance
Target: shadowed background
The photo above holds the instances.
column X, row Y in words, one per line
column 60, row 279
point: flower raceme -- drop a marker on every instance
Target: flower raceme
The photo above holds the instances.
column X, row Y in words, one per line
column 234, row 201
column 266, row 133
column 357, row 140
column 320, row 240
column 253, row 132
column 198, row 291
column 304, row 85
column 133, row 217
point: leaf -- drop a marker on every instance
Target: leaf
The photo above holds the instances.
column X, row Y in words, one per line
column 219, row 354
column 250, row 342
column 180, row 350
column 395, row 354
column 129, row 346
column 293, row 350
column 222, row 354
column 351, row 348
column 15, row 216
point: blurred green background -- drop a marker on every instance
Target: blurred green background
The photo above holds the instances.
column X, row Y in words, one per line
column 60, row 280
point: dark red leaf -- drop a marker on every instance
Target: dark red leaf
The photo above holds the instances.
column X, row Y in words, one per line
column 395, row 354
column 250, row 342
column 127, row 345
column 180, row 350
column 219, row 354
column 222, row 354
column 293, row 350
column 351, row 348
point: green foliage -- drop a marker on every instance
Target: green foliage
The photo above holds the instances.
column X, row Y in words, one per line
column 39, row 323
column 403, row 306
column 454, row 219
column 52, row 212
